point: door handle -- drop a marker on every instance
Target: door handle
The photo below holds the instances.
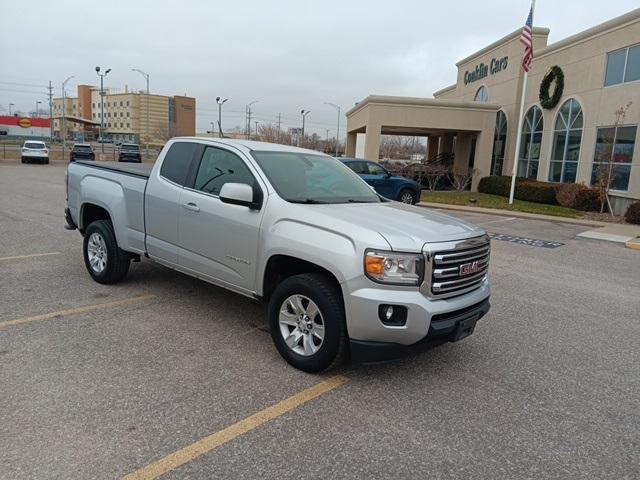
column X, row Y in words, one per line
column 191, row 206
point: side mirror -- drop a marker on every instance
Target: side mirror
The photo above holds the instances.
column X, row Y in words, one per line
column 239, row 194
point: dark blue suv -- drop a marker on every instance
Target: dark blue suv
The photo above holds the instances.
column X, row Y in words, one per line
column 389, row 186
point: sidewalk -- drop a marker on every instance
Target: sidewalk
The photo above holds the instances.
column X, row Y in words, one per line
column 628, row 235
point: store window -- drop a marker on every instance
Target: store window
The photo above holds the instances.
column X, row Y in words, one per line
column 623, row 66
column 613, row 155
column 566, row 143
column 499, row 142
column 482, row 95
column 531, row 141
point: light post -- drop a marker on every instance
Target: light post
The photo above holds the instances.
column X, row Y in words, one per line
column 247, row 110
column 102, row 75
column 213, row 128
column 257, row 137
column 304, row 114
column 146, row 76
column 63, row 126
column 337, row 107
column 38, row 102
column 10, row 105
column 220, row 103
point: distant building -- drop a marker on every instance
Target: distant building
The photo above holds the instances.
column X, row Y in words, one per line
column 125, row 116
column 15, row 126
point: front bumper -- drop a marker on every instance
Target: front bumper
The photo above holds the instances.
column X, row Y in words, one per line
column 448, row 327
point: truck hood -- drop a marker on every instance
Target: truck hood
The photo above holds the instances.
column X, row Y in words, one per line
column 404, row 227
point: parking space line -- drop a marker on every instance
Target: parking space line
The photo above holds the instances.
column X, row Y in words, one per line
column 74, row 311
column 213, row 441
column 33, row 255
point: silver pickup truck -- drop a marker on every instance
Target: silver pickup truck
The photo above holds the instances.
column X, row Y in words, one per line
column 344, row 271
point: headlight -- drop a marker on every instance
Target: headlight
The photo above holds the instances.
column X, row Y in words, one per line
column 394, row 268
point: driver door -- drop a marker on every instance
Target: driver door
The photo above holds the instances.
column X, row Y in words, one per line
column 219, row 240
column 380, row 179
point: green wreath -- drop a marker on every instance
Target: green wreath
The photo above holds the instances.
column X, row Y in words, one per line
column 550, row 101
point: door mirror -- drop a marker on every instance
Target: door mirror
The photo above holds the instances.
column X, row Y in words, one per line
column 238, row 194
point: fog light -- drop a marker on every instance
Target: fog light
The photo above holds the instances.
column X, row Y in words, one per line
column 393, row 315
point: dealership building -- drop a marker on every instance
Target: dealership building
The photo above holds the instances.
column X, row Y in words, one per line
column 572, row 120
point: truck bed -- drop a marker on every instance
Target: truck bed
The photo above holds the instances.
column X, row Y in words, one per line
column 137, row 169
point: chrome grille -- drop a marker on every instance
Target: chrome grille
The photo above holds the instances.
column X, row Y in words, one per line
column 456, row 267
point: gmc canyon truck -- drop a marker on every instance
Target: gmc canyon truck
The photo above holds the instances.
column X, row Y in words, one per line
column 343, row 270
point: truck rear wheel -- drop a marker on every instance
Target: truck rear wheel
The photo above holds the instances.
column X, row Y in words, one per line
column 307, row 322
column 105, row 261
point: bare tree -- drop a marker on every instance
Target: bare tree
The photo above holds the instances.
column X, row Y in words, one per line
column 606, row 175
column 433, row 174
column 400, row 147
column 461, row 177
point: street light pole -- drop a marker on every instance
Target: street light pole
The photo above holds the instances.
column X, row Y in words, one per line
column 257, row 137
column 146, row 76
column 10, row 105
column 38, row 102
column 102, row 75
column 220, row 103
column 63, row 126
column 213, row 128
column 248, row 118
column 304, row 114
column 337, row 107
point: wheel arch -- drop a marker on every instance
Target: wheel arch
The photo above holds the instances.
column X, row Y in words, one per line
column 281, row 266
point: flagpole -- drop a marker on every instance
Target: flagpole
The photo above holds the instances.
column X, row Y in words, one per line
column 516, row 155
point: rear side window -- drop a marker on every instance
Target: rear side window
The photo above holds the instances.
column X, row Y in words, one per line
column 175, row 166
column 219, row 167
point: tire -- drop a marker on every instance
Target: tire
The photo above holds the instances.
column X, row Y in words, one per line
column 23, row 160
column 325, row 295
column 407, row 196
column 46, row 161
column 110, row 263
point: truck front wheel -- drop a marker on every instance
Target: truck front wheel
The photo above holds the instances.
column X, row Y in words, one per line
column 105, row 261
column 307, row 322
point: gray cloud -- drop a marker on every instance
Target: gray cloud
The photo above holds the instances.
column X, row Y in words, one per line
column 286, row 54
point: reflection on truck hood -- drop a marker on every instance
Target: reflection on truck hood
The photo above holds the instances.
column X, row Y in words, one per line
column 405, row 227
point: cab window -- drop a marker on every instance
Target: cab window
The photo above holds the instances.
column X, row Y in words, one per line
column 175, row 166
column 218, row 167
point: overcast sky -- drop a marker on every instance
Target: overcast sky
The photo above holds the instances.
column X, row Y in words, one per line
column 288, row 55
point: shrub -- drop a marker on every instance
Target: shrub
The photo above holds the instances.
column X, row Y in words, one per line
column 587, row 200
column 495, row 185
column 632, row 215
column 566, row 194
column 538, row 192
column 526, row 189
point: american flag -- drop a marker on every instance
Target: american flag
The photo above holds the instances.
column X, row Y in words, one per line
column 527, row 39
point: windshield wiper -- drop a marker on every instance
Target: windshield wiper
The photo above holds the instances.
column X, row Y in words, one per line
column 351, row 200
column 308, row 201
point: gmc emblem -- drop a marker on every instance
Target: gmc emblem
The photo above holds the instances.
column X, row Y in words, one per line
column 469, row 268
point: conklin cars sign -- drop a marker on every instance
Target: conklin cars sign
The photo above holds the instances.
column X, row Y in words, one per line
column 481, row 71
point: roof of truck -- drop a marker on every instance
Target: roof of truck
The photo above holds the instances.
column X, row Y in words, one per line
column 252, row 144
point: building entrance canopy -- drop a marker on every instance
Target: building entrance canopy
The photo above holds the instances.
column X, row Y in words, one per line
column 472, row 124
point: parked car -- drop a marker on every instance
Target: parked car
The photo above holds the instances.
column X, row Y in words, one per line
column 129, row 152
column 342, row 268
column 81, row 151
column 35, row 150
column 389, row 186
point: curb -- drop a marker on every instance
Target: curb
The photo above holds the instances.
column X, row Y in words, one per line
column 513, row 213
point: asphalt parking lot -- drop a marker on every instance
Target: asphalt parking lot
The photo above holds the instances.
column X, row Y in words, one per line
column 164, row 374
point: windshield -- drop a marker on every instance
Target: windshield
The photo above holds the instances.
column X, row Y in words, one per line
column 35, row 145
column 308, row 178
